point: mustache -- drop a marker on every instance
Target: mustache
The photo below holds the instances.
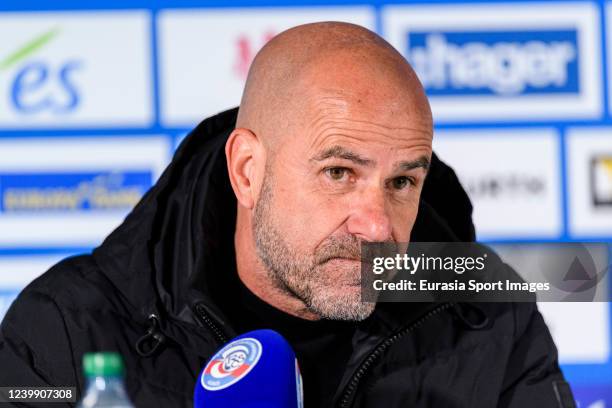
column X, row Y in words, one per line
column 346, row 247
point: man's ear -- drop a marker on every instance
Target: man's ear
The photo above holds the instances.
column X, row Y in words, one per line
column 244, row 153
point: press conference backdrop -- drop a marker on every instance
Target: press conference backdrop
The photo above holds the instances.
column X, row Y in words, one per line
column 95, row 96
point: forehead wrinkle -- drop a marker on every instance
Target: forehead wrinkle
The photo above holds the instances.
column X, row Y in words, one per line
column 330, row 113
column 336, row 101
column 331, row 95
column 341, row 124
column 327, row 108
column 334, row 128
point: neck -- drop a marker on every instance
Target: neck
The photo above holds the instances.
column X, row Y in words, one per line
column 255, row 276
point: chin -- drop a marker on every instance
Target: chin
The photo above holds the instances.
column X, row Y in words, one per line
column 341, row 303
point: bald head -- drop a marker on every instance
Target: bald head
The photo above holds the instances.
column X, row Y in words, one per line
column 307, row 65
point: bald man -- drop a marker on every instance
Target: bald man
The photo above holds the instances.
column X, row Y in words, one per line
column 258, row 222
column 340, row 129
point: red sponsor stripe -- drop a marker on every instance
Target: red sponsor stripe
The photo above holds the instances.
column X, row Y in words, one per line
column 210, row 365
column 240, row 370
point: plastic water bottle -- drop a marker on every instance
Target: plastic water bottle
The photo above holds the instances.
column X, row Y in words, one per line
column 105, row 388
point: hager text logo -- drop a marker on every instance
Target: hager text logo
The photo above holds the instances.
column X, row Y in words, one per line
column 496, row 62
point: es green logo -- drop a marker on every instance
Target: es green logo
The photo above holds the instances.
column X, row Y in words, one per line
column 38, row 85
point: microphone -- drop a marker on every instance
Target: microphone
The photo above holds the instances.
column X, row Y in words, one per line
column 257, row 369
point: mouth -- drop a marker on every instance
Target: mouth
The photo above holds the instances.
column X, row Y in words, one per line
column 347, row 278
column 343, row 259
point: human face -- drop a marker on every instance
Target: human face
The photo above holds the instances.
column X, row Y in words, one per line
column 353, row 174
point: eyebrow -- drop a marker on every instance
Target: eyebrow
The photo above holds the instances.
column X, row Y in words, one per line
column 340, row 152
column 421, row 162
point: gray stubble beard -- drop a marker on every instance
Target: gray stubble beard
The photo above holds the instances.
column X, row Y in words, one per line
column 302, row 276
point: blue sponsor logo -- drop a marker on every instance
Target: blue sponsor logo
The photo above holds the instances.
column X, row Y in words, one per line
column 496, row 63
column 83, row 191
column 38, row 85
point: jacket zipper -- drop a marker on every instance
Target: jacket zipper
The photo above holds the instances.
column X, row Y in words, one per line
column 378, row 351
column 208, row 321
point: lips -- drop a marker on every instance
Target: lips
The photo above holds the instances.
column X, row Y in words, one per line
column 346, row 278
column 341, row 258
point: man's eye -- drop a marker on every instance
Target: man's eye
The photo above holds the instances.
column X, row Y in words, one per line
column 336, row 173
column 400, row 183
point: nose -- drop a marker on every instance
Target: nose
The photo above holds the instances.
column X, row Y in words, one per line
column 369, row 219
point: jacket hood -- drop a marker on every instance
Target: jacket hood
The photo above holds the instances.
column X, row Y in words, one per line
column 162, row 257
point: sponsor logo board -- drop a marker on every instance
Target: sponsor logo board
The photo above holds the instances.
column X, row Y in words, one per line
column 73, row 191
column 73, row 69
column 589, row 179
column 205, row 55
column 571, row 323
column 511, row 176
column 502, row 61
